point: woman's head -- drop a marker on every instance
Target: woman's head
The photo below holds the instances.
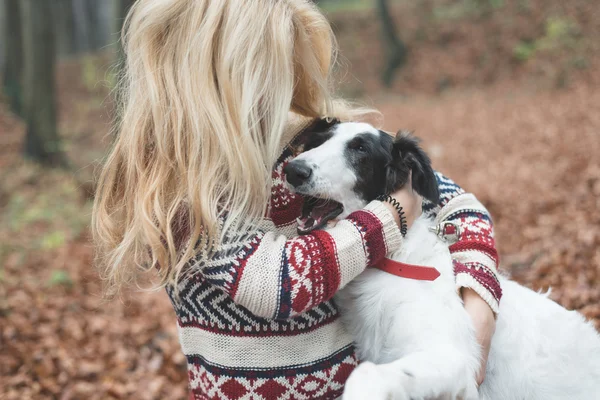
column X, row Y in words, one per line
column 206, row 92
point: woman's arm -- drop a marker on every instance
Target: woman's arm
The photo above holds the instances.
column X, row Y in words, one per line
column 474, row 252
column 276, row 277
column 475, row 261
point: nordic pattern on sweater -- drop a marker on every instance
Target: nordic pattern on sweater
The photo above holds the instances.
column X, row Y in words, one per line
column 256, row 320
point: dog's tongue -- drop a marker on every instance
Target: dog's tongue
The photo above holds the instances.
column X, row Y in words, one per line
column 316, row 213
column 323, row 208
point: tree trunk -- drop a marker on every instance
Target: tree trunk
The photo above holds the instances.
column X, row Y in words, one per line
column 94, row 25
column 3, row 37
column 394, row 47
column 82, row 39
column 64, row 23
column 121, row 8
column 92, row 28
column 39, row 107
column 12, row 84
column 105, row 17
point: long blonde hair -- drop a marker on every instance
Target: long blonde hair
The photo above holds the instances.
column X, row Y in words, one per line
column 206, row 92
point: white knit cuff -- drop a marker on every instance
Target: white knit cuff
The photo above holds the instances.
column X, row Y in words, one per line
column 465, row 280
column 461, row 203
column 391, row 233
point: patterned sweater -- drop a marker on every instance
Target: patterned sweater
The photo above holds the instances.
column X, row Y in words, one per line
column 257, row 320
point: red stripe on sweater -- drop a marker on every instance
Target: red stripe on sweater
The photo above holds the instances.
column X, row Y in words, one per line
column 372, row 230
column 465, row 245
column 330, row 272
column 482, row 276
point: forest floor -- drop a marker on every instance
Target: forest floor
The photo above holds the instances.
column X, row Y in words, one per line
column 505, row 102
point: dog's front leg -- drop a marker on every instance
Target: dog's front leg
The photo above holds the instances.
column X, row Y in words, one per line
column 440, row 373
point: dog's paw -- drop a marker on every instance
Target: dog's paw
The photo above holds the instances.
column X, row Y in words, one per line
column 368, row 382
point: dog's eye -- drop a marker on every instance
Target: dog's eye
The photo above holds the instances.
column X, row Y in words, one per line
column 357, row 145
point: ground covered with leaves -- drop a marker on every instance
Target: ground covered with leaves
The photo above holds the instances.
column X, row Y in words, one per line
column 520, row 130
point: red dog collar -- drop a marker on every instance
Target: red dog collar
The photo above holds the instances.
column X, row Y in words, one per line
column 408, row 270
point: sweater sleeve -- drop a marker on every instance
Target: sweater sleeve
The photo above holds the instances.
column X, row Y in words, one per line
column 276, row 277
column 474, row 253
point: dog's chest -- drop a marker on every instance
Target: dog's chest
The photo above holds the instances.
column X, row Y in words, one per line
column 388, row 315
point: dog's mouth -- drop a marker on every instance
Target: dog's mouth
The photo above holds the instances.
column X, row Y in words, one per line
column 316, row 213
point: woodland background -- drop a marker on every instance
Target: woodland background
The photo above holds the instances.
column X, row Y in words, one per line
column 504, row 94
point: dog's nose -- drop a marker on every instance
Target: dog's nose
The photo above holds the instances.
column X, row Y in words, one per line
column 297, row 172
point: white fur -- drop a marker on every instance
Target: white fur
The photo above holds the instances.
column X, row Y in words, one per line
column 416, row 331
column 417, row 340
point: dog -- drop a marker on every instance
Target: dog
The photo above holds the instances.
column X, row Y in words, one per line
column 414, row 337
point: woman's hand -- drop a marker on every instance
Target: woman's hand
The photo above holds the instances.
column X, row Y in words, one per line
column 484, row 322
column 411, row 202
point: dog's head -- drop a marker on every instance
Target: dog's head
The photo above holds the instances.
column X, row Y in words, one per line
column 346, row 165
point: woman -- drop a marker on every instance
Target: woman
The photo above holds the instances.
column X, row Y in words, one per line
column 216, row 95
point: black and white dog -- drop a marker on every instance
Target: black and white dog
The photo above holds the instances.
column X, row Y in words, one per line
column 415, row 337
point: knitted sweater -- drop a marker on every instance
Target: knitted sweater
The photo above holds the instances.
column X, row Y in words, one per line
column 257, row 320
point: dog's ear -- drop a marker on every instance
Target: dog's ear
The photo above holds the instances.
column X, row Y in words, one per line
column 408, row 156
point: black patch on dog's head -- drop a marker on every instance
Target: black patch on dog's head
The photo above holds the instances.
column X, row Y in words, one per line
column 324, row 124
column 369, row 155
column 383, row 165
column 317, row 138
column 317, row 134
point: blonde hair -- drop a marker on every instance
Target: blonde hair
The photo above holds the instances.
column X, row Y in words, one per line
column 206, row 92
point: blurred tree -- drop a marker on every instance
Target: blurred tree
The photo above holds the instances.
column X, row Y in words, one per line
column 394, row 47
column 121, row 8
column 94, row 23
column 2, row 36
column 64, row 26
column 89, row 23
column 39, row 106
column 105, row 23
column 13, row 66
column 80, row 26
column 82, row 41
